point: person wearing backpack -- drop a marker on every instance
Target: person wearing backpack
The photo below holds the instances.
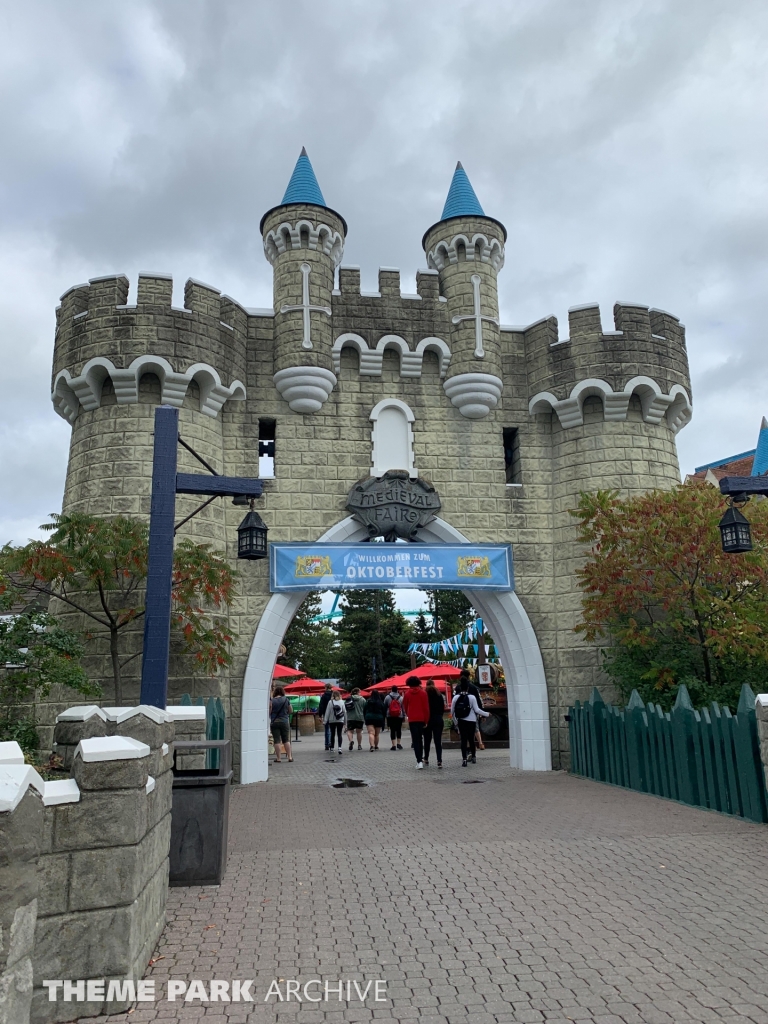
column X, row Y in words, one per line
column 355, row 705
column 473, row 690
column 323, row 704
column 374, row 716
column 336, row 717
column 395, row 712
column 416, row 704
column 465, row 711
column 280, row 723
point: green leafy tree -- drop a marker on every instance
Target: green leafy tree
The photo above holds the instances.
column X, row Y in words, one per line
column 310, row 645
column 451, row 612
column 36, row 654
column 422, row 630
column 371, row 628
column 98, row 567
column 666, row 602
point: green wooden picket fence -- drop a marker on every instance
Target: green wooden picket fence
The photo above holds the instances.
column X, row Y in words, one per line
column 708, row 758
column 214, row 724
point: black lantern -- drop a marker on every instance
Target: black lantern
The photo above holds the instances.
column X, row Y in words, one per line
column 735, row 534
column 252, row 536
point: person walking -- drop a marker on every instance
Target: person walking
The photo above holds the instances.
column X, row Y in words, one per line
column 465, row 711
column 374, row 717
column 416, row 706
column 323, row 704
column 434, row 729
column 336, row 717
column 393, row 707
column 473, row 689
column 280, row 723
column 355, row 705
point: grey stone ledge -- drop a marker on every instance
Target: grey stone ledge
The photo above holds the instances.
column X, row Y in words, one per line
column 159, row 275
column 584, row 305
column 74, row 288
column 203, row 284
column 104, row 277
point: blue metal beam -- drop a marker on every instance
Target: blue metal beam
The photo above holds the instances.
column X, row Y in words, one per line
column 744, row 485
column 157, row 618
column 224, row 486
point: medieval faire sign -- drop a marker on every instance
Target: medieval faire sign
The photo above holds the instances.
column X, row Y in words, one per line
column 393, row 506
column 370, row 566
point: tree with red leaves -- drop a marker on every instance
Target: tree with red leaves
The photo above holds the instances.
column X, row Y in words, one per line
column 667, row 602
column 98, row 567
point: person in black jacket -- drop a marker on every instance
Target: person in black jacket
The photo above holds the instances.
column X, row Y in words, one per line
column 324, row 698
column 434, row 729
column 471, row 688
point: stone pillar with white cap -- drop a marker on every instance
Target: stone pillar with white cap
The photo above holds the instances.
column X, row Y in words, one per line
column 104, row 859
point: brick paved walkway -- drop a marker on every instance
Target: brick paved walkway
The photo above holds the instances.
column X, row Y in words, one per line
column 532, row 897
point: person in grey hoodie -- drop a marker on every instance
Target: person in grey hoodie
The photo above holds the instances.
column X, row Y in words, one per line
column 336, row 719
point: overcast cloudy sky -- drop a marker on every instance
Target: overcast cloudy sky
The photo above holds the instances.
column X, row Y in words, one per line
column 622, row 142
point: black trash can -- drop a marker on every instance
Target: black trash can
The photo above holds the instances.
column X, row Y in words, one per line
column 200, row 816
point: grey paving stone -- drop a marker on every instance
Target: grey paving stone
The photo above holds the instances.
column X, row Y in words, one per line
column 530, row 898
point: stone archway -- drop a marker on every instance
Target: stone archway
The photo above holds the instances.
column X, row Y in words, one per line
column 529, row 736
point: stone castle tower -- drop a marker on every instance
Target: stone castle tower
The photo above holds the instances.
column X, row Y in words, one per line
column 508, row 423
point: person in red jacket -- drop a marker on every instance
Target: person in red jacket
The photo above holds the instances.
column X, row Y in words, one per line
column 416, row 704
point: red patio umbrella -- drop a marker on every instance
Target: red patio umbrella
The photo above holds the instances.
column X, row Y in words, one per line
column 304, row 686
column 423, row 672
column 283, row 672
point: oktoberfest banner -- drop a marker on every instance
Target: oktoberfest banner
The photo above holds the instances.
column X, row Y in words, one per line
column 390, row 566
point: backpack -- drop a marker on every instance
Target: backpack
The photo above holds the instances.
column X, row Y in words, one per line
column 338, row 712
column 395, row 708
column 349, row 704
column 462, row 707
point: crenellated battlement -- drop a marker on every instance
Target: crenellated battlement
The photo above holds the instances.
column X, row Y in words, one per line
column 644, row 355
column 99, row 337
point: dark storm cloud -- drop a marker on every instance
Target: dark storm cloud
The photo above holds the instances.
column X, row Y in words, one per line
column 622, row 144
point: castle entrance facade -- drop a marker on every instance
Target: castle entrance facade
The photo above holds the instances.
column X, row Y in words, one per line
column 506, row 619
column 335, row 386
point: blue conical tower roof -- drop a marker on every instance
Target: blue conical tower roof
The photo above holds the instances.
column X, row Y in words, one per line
column 461, row 201
column 760, row 463
column 303, row 186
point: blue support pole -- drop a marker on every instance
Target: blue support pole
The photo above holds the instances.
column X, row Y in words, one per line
column 157, row 618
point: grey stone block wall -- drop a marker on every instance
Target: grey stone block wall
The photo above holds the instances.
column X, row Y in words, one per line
column 21, row 837
column 104, row 870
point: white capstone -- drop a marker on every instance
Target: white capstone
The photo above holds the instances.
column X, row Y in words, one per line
column 11, row 753
column 111, row 748
column 15, row 780
column 148, row 710
column 81, row 713
column 150, row 785
column 165, row 749
column 762, row 700
column 186, row 713
column 60, row 791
